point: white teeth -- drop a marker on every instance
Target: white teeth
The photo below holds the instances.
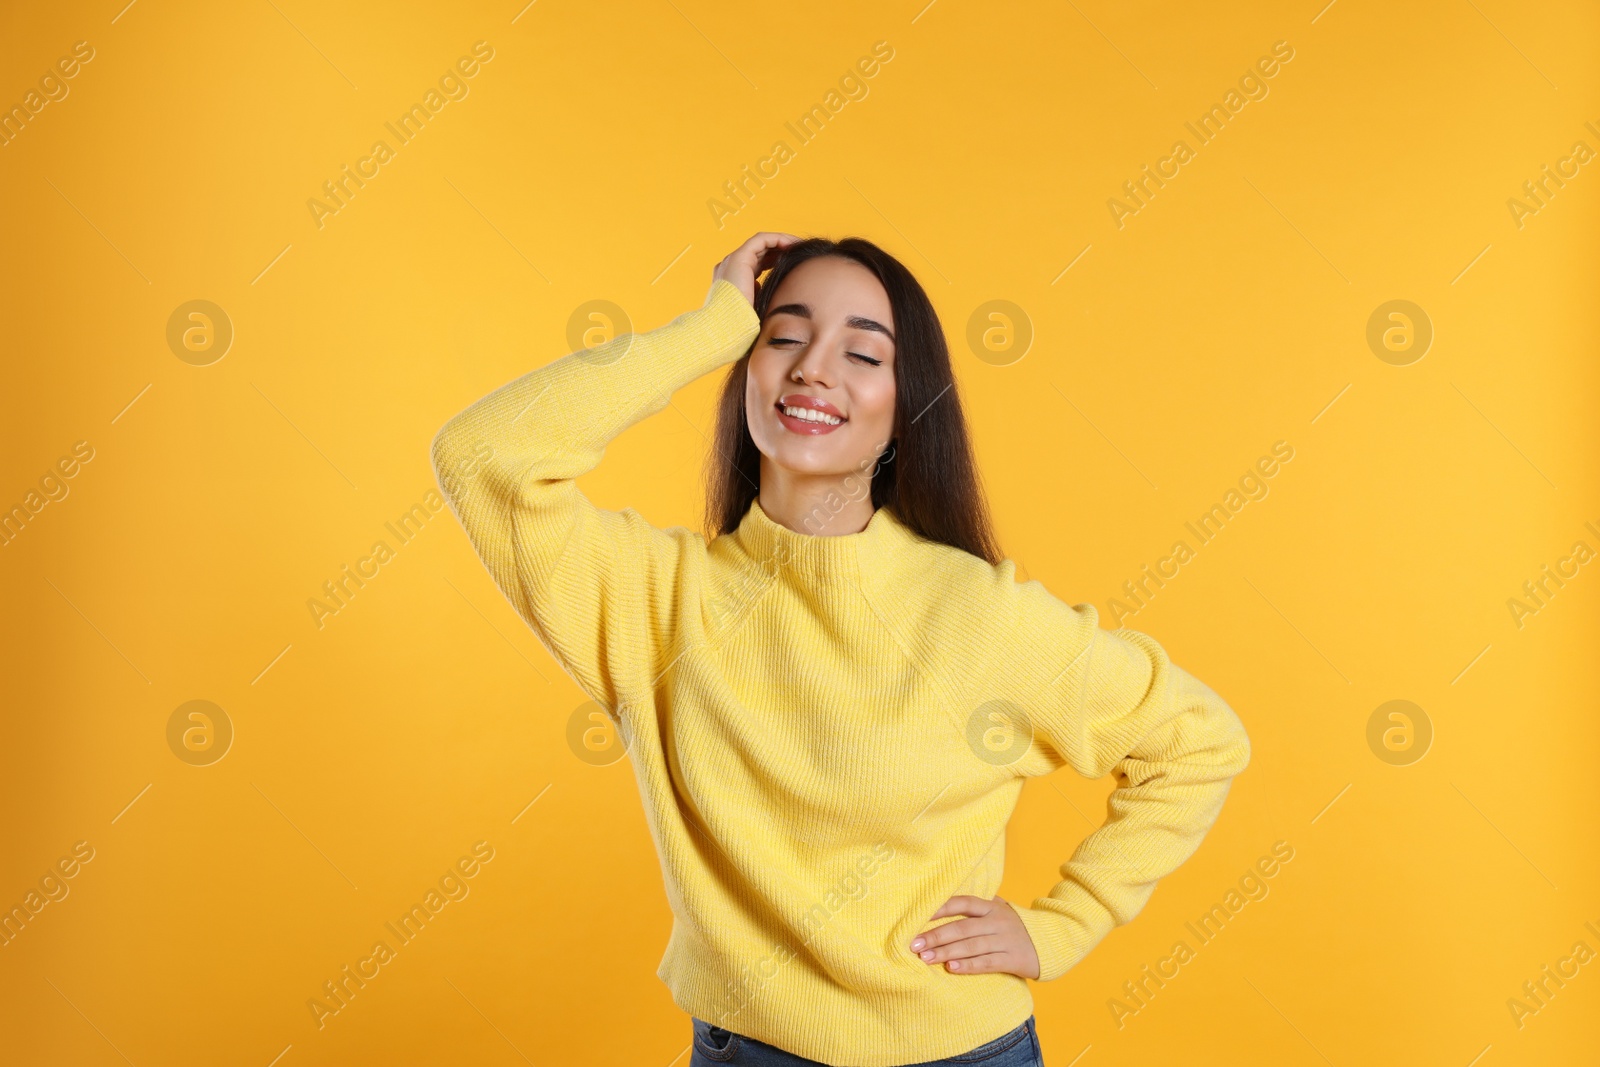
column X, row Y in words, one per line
column 812, row 415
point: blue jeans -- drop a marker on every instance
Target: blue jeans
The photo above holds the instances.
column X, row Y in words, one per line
column 713, row 1045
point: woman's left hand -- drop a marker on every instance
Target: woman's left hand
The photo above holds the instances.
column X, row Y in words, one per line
column 993, row 939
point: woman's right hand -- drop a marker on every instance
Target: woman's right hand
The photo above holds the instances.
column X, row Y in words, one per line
column 745, row 263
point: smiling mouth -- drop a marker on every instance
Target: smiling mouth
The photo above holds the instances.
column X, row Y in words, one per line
column 808, row 420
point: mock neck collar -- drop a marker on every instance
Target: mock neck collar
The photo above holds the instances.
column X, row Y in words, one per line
column 764, row 538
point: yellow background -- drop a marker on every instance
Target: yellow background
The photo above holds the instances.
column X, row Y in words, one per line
column 1228, row 314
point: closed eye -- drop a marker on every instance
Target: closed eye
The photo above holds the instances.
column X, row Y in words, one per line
column 792, row 341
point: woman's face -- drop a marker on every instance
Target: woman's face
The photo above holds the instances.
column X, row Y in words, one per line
column 826, row 347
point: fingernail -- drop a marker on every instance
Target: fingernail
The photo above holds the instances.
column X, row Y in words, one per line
column 928, row 955
column 916, row 944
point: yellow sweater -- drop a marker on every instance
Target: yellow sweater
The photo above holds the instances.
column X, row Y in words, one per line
column 829, row 733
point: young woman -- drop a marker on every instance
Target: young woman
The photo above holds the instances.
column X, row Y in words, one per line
column 831, row 704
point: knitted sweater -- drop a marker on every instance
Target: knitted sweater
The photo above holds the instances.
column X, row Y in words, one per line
column 828, row 732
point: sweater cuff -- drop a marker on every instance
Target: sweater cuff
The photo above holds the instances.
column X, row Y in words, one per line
column 1063, row 931
column 731, row 315
column 696, row 342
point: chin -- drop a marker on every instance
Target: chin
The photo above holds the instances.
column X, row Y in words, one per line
column 806, row 463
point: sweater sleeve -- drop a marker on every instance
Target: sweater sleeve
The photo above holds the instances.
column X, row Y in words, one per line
column 1111, row 701
column 600, row 588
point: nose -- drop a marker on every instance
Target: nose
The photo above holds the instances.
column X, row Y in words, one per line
column 813, row 364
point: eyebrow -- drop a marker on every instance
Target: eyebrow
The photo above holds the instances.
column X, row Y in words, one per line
column 855, row 322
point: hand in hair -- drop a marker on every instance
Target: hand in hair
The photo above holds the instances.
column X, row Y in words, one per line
column 745, row 263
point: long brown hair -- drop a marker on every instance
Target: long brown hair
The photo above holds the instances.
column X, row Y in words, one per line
column 926, row 476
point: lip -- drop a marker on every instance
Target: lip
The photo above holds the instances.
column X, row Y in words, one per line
column 805, row 400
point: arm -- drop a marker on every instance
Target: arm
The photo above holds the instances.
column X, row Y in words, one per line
column 600, row 588
column 1112, row 702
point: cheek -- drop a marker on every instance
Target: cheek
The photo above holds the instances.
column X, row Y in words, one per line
column 874, row 407
column 757, row 385
column 759, row 417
